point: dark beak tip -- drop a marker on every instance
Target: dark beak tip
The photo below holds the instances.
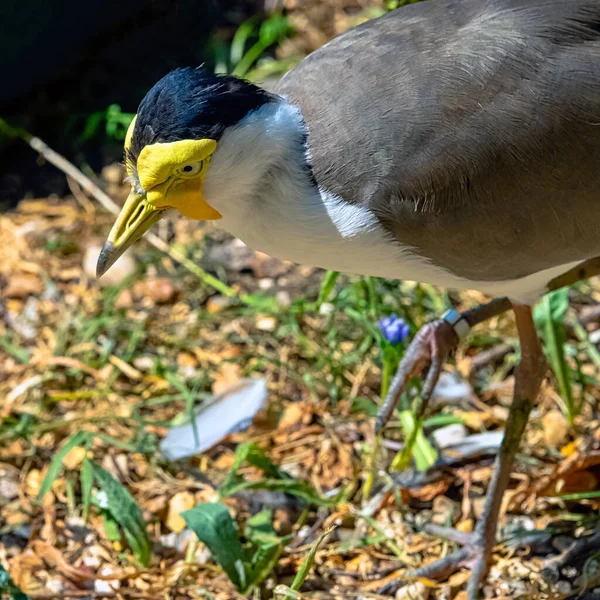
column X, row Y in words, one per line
column 106, row 259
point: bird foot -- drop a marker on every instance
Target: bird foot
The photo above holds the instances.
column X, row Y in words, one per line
column 474, row 555
column 430, row 348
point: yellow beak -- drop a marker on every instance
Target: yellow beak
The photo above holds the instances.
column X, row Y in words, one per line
column 135, row 218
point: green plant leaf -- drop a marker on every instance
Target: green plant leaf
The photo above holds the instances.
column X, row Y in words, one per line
column 213, row 525
column 308, row 562
column 259, row 527
column 238, row 43
column 263, row 561
column 327, row 285
column 275, row 480
column 20, row 354
column 416, row 445
column 57, row 462
column 265, row 546
column 7, row 586
column 124, row 510
column 550, row 315
column 111, row 527
column 87, row 482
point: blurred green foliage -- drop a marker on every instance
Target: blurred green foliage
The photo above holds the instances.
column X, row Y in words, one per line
column 112, row 121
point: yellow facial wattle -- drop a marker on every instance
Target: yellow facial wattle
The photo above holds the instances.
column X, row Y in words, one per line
column 170, row 175
column 173, row 173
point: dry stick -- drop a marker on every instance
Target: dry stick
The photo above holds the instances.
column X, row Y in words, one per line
column 70, row 170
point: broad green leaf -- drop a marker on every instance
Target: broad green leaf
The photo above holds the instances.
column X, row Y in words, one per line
column 57, row 462
column 260, row 527
column 124, row 510
column 213, row 525
column 7, row 586
column 416, row 445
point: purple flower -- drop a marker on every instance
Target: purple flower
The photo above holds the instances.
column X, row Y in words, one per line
column 394, row 329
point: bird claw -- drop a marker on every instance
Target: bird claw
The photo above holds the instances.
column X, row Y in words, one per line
column 430, row 348
column 474, row 555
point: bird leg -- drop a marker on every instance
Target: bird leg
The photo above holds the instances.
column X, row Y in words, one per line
column 431, row 347
column 477, row 549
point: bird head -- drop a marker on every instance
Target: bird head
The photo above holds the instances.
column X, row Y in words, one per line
column 169, row 147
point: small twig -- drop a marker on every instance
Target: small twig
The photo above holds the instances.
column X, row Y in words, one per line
column 71, row 171
column 485, row 357
column 94, row 594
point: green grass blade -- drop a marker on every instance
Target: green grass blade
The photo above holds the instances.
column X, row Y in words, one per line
column 87, row 483
column 327, row 285
column 57, row 462
column 308, row 562
column 125, row 511
column 551, row 315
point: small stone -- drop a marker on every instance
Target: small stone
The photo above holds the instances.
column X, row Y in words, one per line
column 216, row 304
column 266, row 323
column 284, row 298
column 465, row 526
column 413, row 591
column 266, row 283
column 564, row 588
column 233, row 255
column 74, row 457
column 450, row 435
column 445, row 511
column 33, row 482
column 556, row 428
column 326, row 308
column 103, row 587
column 143, row 363
column 124, row 299
column 162, row 290
column 9, row 485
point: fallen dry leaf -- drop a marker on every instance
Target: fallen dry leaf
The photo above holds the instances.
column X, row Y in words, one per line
column 20, row 286
column 179, row 503
column 74, row 457
column 228, row 375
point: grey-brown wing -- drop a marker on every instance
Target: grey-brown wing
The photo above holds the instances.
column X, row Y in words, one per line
column 471, row 128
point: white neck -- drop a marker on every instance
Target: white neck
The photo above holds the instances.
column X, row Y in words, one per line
column 260, row 182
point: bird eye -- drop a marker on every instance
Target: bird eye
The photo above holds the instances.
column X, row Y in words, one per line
column 191, row 168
